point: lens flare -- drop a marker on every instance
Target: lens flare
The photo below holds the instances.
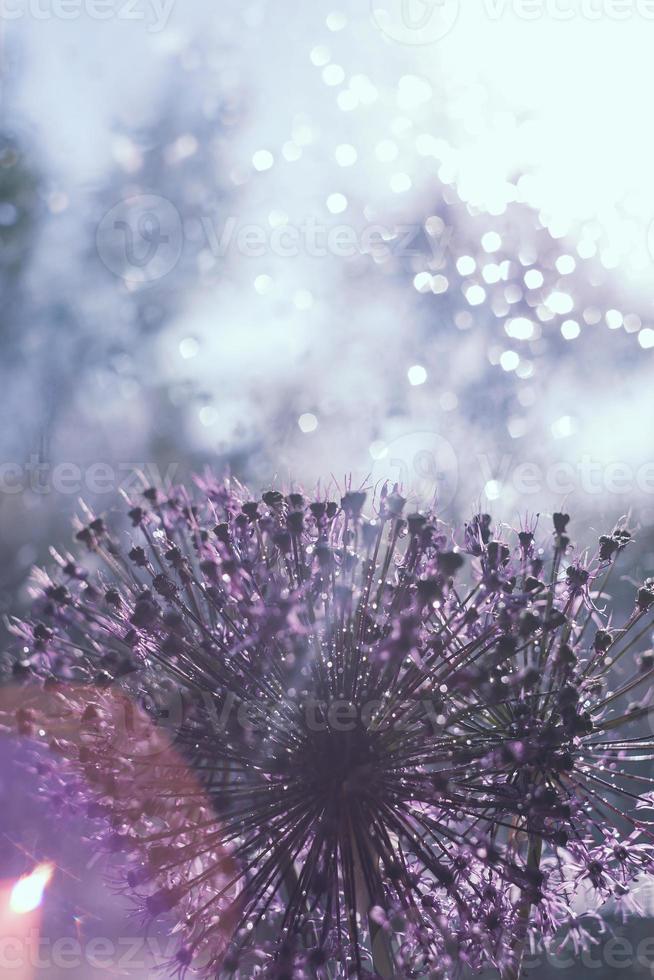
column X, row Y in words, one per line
column 27, row 893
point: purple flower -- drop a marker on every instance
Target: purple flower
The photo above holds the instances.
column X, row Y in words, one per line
column 324, row 738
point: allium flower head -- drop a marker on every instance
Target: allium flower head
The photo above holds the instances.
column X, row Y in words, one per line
column 391, row 748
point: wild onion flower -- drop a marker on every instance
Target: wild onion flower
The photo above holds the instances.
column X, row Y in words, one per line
column 391, row 748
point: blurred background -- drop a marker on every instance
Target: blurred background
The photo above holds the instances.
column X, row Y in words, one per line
column 374, row 239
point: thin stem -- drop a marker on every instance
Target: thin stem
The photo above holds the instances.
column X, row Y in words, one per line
column 513, row 969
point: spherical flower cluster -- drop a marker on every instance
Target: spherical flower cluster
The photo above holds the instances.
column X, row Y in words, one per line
column 331, row 737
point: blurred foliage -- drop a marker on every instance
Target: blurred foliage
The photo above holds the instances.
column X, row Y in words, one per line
column 20, row 214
